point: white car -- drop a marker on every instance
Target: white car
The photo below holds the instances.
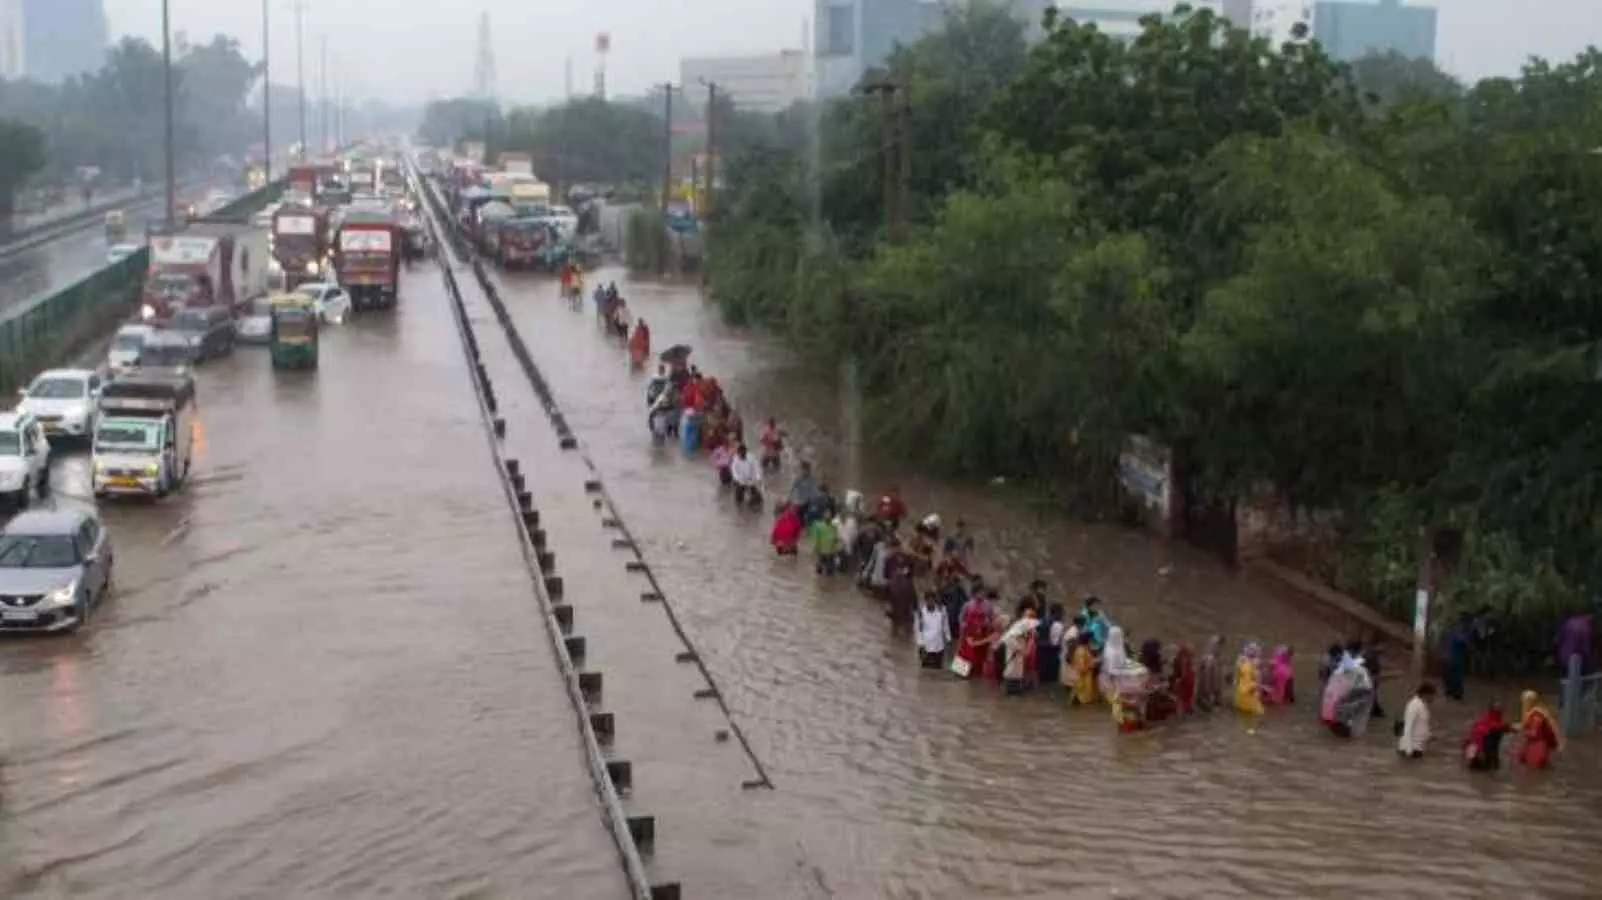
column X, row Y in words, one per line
column 256, row 325
column 62, row 401
column 119, row 252
column 24, row 459
column 330, row 300
column 123, row 354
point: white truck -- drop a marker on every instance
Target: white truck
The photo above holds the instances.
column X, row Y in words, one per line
column 144, row 442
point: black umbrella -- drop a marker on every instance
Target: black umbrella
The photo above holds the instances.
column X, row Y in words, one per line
column 677, row 353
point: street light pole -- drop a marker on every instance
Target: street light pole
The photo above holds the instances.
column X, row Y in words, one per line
column 300, row 67
column 266, row 90
column 167, row 141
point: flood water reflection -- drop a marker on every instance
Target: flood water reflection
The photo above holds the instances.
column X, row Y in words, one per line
column 897, row 782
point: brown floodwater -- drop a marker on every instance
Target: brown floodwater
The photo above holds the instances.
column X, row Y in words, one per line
column 890, row 781
column 323, row 672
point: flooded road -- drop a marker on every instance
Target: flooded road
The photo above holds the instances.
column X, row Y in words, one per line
column 322, row 673
column 896, row 782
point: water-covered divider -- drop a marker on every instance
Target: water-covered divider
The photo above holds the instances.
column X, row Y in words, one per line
column 612, row 777
column 39, row 333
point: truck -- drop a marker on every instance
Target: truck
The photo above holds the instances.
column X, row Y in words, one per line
column 303, row 180
column 300, row 243
column 246, row 256
column 367, row 257
column 144, row 439
column 530, row 196
column 517, row 163
column 187, row 270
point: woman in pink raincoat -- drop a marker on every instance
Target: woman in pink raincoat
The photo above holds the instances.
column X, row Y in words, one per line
column 1281, row 678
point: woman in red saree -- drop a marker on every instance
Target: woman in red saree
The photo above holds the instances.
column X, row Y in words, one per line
column 1540, row 732
column 974, row 645
column 640, row 344
column 1183, row 683
column 787, row 531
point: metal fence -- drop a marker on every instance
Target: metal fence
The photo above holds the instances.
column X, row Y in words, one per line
column 35, row 333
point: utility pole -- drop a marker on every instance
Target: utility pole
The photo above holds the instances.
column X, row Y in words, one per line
column 167, row 153
column 323, row 78
column 711, row 146
column 667, row 172
column 892, row 172
column 266, row 90
column 300, row 68
column 902, row 224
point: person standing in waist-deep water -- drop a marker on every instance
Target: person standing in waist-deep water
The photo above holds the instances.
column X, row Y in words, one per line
column 1414, row 737
column 1540, row 732
column 1454, row 656
column 1482, row 749
column 747, row 478
column 1018, row 643
column 900, row 590
column 1371, row 661
column 1048, row 646
column 933, row 632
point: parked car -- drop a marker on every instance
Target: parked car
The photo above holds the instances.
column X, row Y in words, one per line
column 331, row 300
column 210, row 330
column 63, row 402
column 55, row 569
column 256, row 325
column 24, row 459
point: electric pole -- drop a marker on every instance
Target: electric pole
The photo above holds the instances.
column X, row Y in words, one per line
column 892, row 171
column 300, row 68
column 166, row 59
column 711, row 146
column 667, row 171
column 903, row 178
column 266, row 91
column 323, row 78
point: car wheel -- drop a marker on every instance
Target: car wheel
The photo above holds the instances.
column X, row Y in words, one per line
column 80, row 615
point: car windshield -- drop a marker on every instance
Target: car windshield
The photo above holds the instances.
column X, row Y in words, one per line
column 128, row 341
column 171, row 285
column 10, row 443
column 58, row 389
column 314, row 291
column 129, row 436
column 261, row 307
column 189, row 321
column 37, row 551
column 165, row 355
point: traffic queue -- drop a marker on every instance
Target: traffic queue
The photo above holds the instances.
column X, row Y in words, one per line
column 207, row 290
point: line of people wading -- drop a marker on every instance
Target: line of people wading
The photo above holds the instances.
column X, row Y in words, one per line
column 927, row 580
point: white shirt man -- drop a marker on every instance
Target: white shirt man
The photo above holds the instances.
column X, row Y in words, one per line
column 932, row 634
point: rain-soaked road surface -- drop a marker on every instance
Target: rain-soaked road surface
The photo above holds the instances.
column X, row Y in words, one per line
column 323, row 672
column 895, row 782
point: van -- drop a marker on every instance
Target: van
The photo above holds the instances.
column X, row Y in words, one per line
column 210, row 330
column 144, row 438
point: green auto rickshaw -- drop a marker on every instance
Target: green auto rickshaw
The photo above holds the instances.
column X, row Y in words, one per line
column 293, row 338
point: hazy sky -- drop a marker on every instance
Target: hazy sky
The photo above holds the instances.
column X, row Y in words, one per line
column 413, row 49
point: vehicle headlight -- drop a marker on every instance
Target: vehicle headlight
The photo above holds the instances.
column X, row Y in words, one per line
column 311, row 268
column 100, row 466
column 9, row 480
column 62, row 596
column 152, row 469
column 275, row 266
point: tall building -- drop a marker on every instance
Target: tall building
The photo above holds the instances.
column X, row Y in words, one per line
column 11, row 44
column 1121, row 18
column 767, row 83
column 852, row 36
column 1350, row 30
column 62, row 38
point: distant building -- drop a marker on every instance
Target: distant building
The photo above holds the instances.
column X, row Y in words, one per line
column 1121, row 18
column 63, row 38
column 767, row 83
column 1350, row 30
column 1277, row 19
column 11, row 40
column 852, row 36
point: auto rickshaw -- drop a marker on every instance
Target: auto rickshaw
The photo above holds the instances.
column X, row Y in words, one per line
column 116, row 227
column 292, row 340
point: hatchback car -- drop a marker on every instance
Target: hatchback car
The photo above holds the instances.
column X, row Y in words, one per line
column 63, row 402
column 123, row 354
column 24, row 459
column 55, row 568
column 210, row 330
column 330, row 300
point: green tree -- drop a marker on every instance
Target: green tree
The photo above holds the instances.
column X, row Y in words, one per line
column 22, row 153
column 590, row 141
column 1388, row 79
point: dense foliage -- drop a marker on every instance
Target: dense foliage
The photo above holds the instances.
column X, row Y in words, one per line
column 113, row 119
column 1365, row 288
